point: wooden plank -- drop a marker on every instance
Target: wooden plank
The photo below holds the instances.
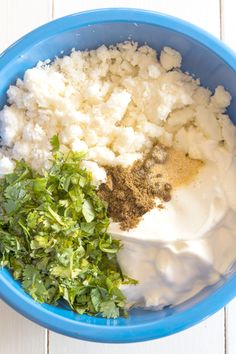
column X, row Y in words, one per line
column 19, row 335
column 228, row 36
column 202, row 13
column 205, row 14
column 228, row 22
column 207, row 337
column 231, row 328
column 19, row 17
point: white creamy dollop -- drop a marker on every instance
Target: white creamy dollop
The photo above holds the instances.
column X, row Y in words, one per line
column 177, row 251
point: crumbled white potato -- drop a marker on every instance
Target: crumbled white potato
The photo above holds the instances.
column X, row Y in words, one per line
column 33, row 132
column 152, row 130
column 126, row 139
column 11, row 125
column 221, row 98
column 79, row 145
column 128, row 159
column 22, row 150
column 166, row 139
column 212, row 129
column 170, row 58
column 6, row 166
column 154, row 71
column 228, row 131
column 99, row 173
column 102, row 155
column 202, row 96
column 180, row 117
column 70, row 133
column 113, row 103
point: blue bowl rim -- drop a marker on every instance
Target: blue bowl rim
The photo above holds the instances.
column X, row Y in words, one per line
column 42, row 315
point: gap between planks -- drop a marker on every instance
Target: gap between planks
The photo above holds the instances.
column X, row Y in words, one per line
column 221, row 9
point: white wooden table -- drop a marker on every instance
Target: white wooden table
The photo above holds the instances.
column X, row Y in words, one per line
column 217, row 335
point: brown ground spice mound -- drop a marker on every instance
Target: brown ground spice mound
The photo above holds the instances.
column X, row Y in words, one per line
column 131, row 192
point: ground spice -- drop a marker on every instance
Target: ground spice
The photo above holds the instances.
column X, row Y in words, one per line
column 178, row 169
column 131, row 192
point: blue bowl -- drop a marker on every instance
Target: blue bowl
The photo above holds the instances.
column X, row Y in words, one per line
column 204, row 56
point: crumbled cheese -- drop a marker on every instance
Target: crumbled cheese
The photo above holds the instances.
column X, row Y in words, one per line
column 98, row 173
column 170, row 58
column 212, row 129
column 11, row 125
column 101, row 154
column 79, row 145
column 113, row 103
column 228, row 131
column 6, row 166
column 221, row 98
column 179, row 118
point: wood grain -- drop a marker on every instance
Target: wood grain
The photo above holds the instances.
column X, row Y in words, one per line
column 19, row 335
column 228, row 11
column 204, row 13
column 228, row 8
column 19, row 17
column 230, row 326
column 205, row 338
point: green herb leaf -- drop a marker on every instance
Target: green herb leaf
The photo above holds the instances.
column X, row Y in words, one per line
column 53, row 236
column 55, row 143
column 88, row 211
column 109, row 309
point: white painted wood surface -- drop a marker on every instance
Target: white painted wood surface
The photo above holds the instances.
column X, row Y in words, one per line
column 205, row 338
column 19, row 335
column 228, row 10
column 217, row 335
column 230, row 326
column 204, row 13
column 19, row 17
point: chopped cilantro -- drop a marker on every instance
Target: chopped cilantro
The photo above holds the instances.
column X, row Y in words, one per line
column 55, row 143
column 53, row 236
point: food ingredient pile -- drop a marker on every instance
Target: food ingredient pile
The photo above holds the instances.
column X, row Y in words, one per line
column 53, row 236
column 151, row 136
column 131, row 192
column 114, row 103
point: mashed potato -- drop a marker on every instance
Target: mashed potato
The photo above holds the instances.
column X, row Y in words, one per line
column 113, row 103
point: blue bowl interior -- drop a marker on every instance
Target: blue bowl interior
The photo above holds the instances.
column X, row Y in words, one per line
column 198, row 60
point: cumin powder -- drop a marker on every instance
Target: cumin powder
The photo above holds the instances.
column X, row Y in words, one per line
column 131, row 192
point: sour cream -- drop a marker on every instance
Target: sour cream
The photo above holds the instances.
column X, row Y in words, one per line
column 179, row 250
